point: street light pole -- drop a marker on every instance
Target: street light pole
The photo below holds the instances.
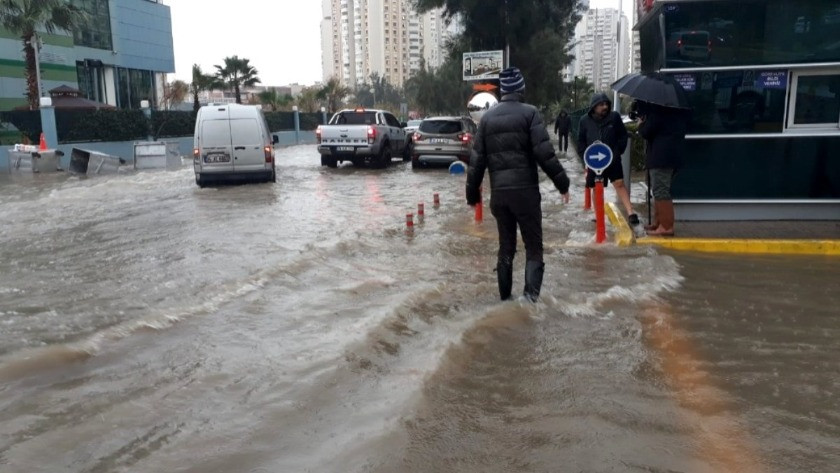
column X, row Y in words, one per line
column 620, row 40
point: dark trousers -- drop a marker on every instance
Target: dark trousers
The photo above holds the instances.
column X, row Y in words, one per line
column 564, row 141
column 523, row 208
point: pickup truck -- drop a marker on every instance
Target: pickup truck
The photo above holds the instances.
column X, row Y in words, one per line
column 362, row 136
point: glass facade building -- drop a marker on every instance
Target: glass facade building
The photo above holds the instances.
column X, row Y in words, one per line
column 120, row 56
column 763, row 81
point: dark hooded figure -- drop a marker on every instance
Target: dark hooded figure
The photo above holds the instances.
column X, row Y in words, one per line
column 562, row 127
column 511, row 142
column 603, row 125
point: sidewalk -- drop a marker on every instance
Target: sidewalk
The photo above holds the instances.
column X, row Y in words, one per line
column 769, row 237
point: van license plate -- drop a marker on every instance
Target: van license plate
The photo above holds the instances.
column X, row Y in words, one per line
column 345, row 148
column 217, row 158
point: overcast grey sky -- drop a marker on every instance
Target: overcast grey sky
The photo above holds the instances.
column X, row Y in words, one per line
column 282, row 38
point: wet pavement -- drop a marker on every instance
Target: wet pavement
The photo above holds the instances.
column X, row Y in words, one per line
column 147, row 325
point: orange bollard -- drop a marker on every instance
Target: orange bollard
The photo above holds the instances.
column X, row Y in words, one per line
column 479, row 208
column 587, row 198
column 600, row 224
column 409, row 221
column 437, row 200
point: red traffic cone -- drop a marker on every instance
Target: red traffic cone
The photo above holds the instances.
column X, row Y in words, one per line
column 43, row 144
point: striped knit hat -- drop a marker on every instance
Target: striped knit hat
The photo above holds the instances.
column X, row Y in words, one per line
column 511, row 81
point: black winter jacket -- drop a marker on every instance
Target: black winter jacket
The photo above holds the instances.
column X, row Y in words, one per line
column 664, row 131
column 563, row 124
column 610, row 130
column 511, row 141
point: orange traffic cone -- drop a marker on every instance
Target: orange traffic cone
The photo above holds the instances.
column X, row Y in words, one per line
column 43, row 144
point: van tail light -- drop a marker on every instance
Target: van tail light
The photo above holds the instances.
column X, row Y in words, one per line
column 465, row 137
column 371, row 135
column 318, row 134
column 268, row 157
column 196, row 153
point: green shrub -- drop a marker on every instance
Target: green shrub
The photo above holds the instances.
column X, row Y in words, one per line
column 28, row 122
column 167, row 124
column 278, row 121
column 100, row 125
column 637, row 152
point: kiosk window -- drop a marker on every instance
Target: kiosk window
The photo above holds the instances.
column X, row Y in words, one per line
column 727, row 102
column 817, row 101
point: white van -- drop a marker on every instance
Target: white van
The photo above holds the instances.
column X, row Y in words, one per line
column 232, row 143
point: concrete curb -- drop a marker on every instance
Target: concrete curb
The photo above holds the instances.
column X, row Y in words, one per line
column 624, row 235
column 748, row 246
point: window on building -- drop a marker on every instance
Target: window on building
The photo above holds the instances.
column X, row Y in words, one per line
column 96, row 32
column 815, row 100
column 748, row 32
column 728, row 102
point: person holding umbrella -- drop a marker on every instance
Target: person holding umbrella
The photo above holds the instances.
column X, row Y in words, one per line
column 663, row 129
column 663, row 111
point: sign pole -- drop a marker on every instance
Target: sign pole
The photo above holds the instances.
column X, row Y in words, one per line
column 598, row 157
column 600, row 223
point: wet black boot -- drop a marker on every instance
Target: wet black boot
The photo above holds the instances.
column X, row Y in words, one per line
column 504, row 272
column 533, row 280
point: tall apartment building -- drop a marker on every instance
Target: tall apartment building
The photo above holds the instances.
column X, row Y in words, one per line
column 387, row 37
column 120, row 57
column 596, row 51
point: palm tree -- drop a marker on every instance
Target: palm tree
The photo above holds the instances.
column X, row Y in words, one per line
column 200, row 83
column 334, row 93
column 270, row 98
column 24, row 18
column 307, row 101
column 237, row 73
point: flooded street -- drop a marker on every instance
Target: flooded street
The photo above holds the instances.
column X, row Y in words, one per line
column 147, row 325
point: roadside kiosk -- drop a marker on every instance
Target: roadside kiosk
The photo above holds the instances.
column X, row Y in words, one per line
column 763, row 81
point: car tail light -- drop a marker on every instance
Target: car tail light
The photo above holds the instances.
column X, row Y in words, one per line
column 268, row 157
column 464, row 137
column 318, row 134
column 418, row 137
column 679, row 43
column 371, row 134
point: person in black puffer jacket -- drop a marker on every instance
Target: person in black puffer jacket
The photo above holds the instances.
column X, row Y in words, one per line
column 511, row 141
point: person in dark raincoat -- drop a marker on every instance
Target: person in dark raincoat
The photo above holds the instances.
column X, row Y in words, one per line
column 603, row 125
column 663, row 129
column 562, row 127
column 511, row 142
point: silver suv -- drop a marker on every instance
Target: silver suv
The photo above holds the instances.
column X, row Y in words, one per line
column 442, row 140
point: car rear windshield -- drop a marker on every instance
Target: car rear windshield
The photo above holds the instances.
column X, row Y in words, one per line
column 356, row 118
column 695, row 39
column 440, row 126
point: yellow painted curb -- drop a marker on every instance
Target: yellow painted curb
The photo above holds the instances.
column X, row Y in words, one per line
column 624, row 235
column 790, row 247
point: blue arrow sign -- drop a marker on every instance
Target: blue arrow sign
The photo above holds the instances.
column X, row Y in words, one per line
column 598, row 157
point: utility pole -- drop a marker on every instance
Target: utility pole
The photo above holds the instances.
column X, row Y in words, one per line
column 620, row 41
column 507, row 34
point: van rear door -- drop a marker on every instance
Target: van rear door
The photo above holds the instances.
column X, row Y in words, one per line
column 247, row 141
column 215, row 145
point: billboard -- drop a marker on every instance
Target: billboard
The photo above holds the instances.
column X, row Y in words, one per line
column 483, row 65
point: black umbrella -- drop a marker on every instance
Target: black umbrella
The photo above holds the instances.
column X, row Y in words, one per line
column 653, row 87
